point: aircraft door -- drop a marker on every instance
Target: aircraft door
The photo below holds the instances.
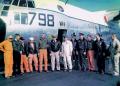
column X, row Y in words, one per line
column 61, row 34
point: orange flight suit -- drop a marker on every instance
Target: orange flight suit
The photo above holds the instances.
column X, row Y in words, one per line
column 43, row 55
column 33, row 57
column 24, row 63
column 6, row 47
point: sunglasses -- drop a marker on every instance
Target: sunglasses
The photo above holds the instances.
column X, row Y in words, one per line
column 10, row 38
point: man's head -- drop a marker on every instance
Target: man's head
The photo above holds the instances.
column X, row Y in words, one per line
column 31, row 39
column 22, row 38
column 43, row 36
column 54, row 38
column 114, row 36
column 81, row 36
column 17, row 36
column 73, row 35
column 66, row 38
column 98, row 36
column 10, row 37
column 89, row 37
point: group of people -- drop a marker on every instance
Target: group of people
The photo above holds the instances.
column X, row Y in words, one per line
column 80, row 54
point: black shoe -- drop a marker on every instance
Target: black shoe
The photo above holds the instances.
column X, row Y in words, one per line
column 70, row 70
column 46, row 71
column 12, row 76
column 65, row 70
column 39, row 71
column 57, row 70
column 52, row 70
column 7, row 77
column 21, row 73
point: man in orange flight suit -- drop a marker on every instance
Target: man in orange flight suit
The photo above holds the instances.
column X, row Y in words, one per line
column 24, row 59
column 6, row 47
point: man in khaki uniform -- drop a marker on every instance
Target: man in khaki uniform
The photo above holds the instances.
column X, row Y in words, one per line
column 116, row 46
column 6, row 47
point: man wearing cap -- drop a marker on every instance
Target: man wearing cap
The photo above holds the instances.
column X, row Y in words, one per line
column 7, row 48
column 81, row 49
column 32, row 54
column 17, row 48
column 43, row 45
column 66, row 51
column 24, row 59
column 100, row 53
column 54, row 52
column 116, row 54
column 90, row 53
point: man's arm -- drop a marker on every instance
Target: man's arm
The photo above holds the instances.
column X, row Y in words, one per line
column 71, row 47
column 117, row 45
column 14, row 45
column 1, row 46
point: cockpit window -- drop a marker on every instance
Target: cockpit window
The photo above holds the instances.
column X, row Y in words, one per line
column 23, row 3
column 24, row 18
column 31, row 4
column 15, row 2
column 4, row 13
column 6, row 8
column 17, row 18
column 7, row 1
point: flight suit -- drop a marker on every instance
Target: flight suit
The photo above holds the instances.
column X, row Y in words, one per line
column 111, row 52
column 24, row 59
column 32, row 55
column 116, row 46
column 43, row 44
column 6, row 47
column 90, row 55
column 67, row 49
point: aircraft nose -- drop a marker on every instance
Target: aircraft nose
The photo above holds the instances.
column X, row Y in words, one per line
column 2, row 30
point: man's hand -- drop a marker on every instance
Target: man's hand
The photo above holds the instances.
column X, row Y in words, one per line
column 84, row 53
column 61, row 54
column 20, row 52
column 50, row 54
column 76, row 52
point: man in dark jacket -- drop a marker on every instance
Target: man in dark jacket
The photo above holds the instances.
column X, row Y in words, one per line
column 81, row 49
column 17, row 48
column 24, row 59
column 74, row 55
column 55, row 51
column 100, row 53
